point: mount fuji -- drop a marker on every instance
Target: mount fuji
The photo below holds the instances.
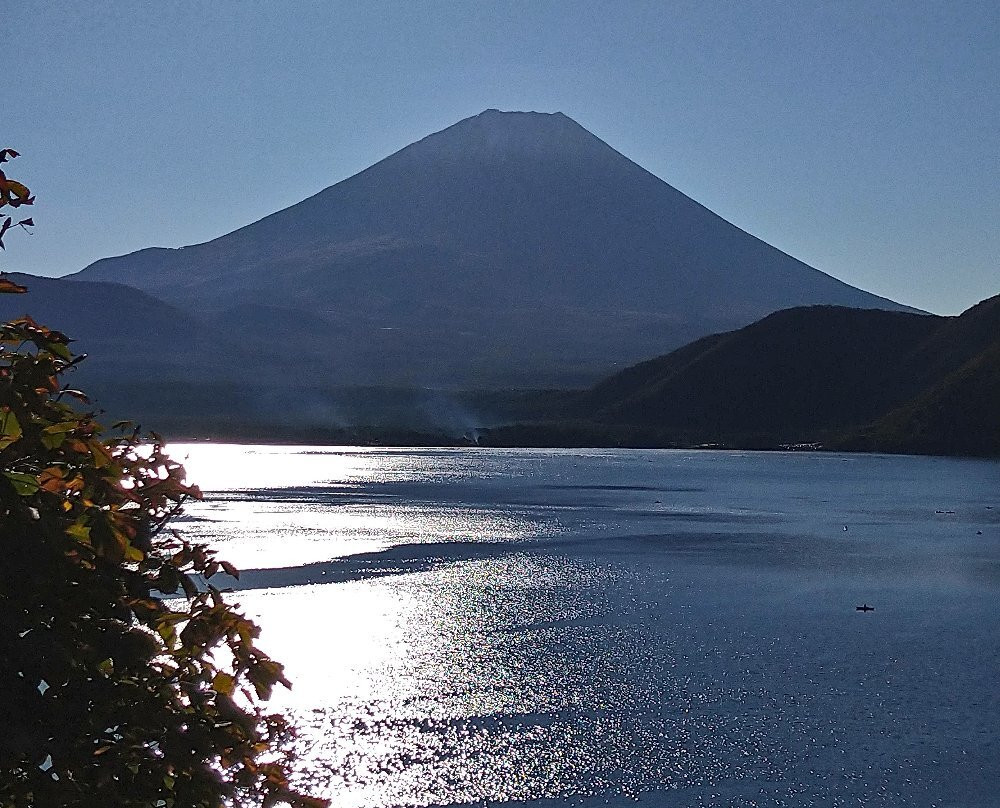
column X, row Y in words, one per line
column 512, row 249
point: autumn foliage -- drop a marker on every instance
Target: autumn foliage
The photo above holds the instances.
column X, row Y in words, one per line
column 13, row 194
column 127, row 679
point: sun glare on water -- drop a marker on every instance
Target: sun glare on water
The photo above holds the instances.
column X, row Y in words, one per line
column 491, row 626
column 231, row 467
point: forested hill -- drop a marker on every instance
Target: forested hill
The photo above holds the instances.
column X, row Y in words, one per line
column 798, row 369
column 840, row 377
column 959, row 411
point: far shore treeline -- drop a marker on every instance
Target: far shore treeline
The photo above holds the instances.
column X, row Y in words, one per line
column 808, row 378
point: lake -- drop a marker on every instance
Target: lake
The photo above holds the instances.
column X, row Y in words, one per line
column 596, row 628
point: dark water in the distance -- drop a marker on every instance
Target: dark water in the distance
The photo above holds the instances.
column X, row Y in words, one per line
column 599, row 627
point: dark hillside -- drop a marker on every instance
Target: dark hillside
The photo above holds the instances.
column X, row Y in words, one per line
column 793, row 373
column 843, row 378
column 958, row 340
column 959, row 416
column 636, row 380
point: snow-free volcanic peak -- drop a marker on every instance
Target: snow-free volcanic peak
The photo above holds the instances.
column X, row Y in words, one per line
column 510, row 249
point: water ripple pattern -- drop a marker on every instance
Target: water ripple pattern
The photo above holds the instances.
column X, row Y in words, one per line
column 596, row 628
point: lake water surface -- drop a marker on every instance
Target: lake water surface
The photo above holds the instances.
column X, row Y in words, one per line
column 592, row 628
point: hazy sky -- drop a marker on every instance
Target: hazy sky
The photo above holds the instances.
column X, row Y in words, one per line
column 862, row 138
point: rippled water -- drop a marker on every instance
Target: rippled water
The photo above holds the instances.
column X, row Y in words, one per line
column 593, row 628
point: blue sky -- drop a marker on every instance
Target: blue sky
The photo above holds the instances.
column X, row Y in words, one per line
column 862, row 138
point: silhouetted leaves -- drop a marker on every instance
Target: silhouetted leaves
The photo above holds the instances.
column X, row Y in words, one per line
column 116, row 691
column 127, row 699
column 12, row 194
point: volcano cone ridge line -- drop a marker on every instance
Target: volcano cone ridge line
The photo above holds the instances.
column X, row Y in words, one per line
column 510, row 249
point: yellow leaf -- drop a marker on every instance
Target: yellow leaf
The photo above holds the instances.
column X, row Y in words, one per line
column 63, row 426
column 79, row 532
column 102, row 457
column 10, row 429
column 224, row 683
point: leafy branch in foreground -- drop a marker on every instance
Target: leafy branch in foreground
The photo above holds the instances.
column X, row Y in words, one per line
column 111, row 633
column 12, row 194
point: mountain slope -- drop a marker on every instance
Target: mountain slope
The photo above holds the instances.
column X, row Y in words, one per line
column 959, row 340
column 958, row 411
column 960, row 415
column 143, row 355
column 122, row 330
column 510, row 249
column 847, row 378
column 796, row 372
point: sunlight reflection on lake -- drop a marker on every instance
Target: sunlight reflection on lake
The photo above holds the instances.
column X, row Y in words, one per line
column 590, row 628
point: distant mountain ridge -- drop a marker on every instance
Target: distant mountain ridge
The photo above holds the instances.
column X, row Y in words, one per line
column 508, row 250
column 125, row 333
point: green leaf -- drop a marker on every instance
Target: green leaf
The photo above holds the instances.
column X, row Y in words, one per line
column 53, row 441
column 59, row 349
column 10, row 429
column 24, row 484
column 168, row 634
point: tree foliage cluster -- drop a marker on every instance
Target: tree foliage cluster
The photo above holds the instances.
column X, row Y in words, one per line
column 13, row 194
column 127, row 678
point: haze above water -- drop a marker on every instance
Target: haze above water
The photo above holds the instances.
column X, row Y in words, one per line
column 594, row 627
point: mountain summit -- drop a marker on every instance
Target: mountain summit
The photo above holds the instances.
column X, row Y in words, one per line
column 512, row 248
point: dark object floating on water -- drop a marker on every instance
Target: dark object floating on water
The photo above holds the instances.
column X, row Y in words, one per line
column 865, row 608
